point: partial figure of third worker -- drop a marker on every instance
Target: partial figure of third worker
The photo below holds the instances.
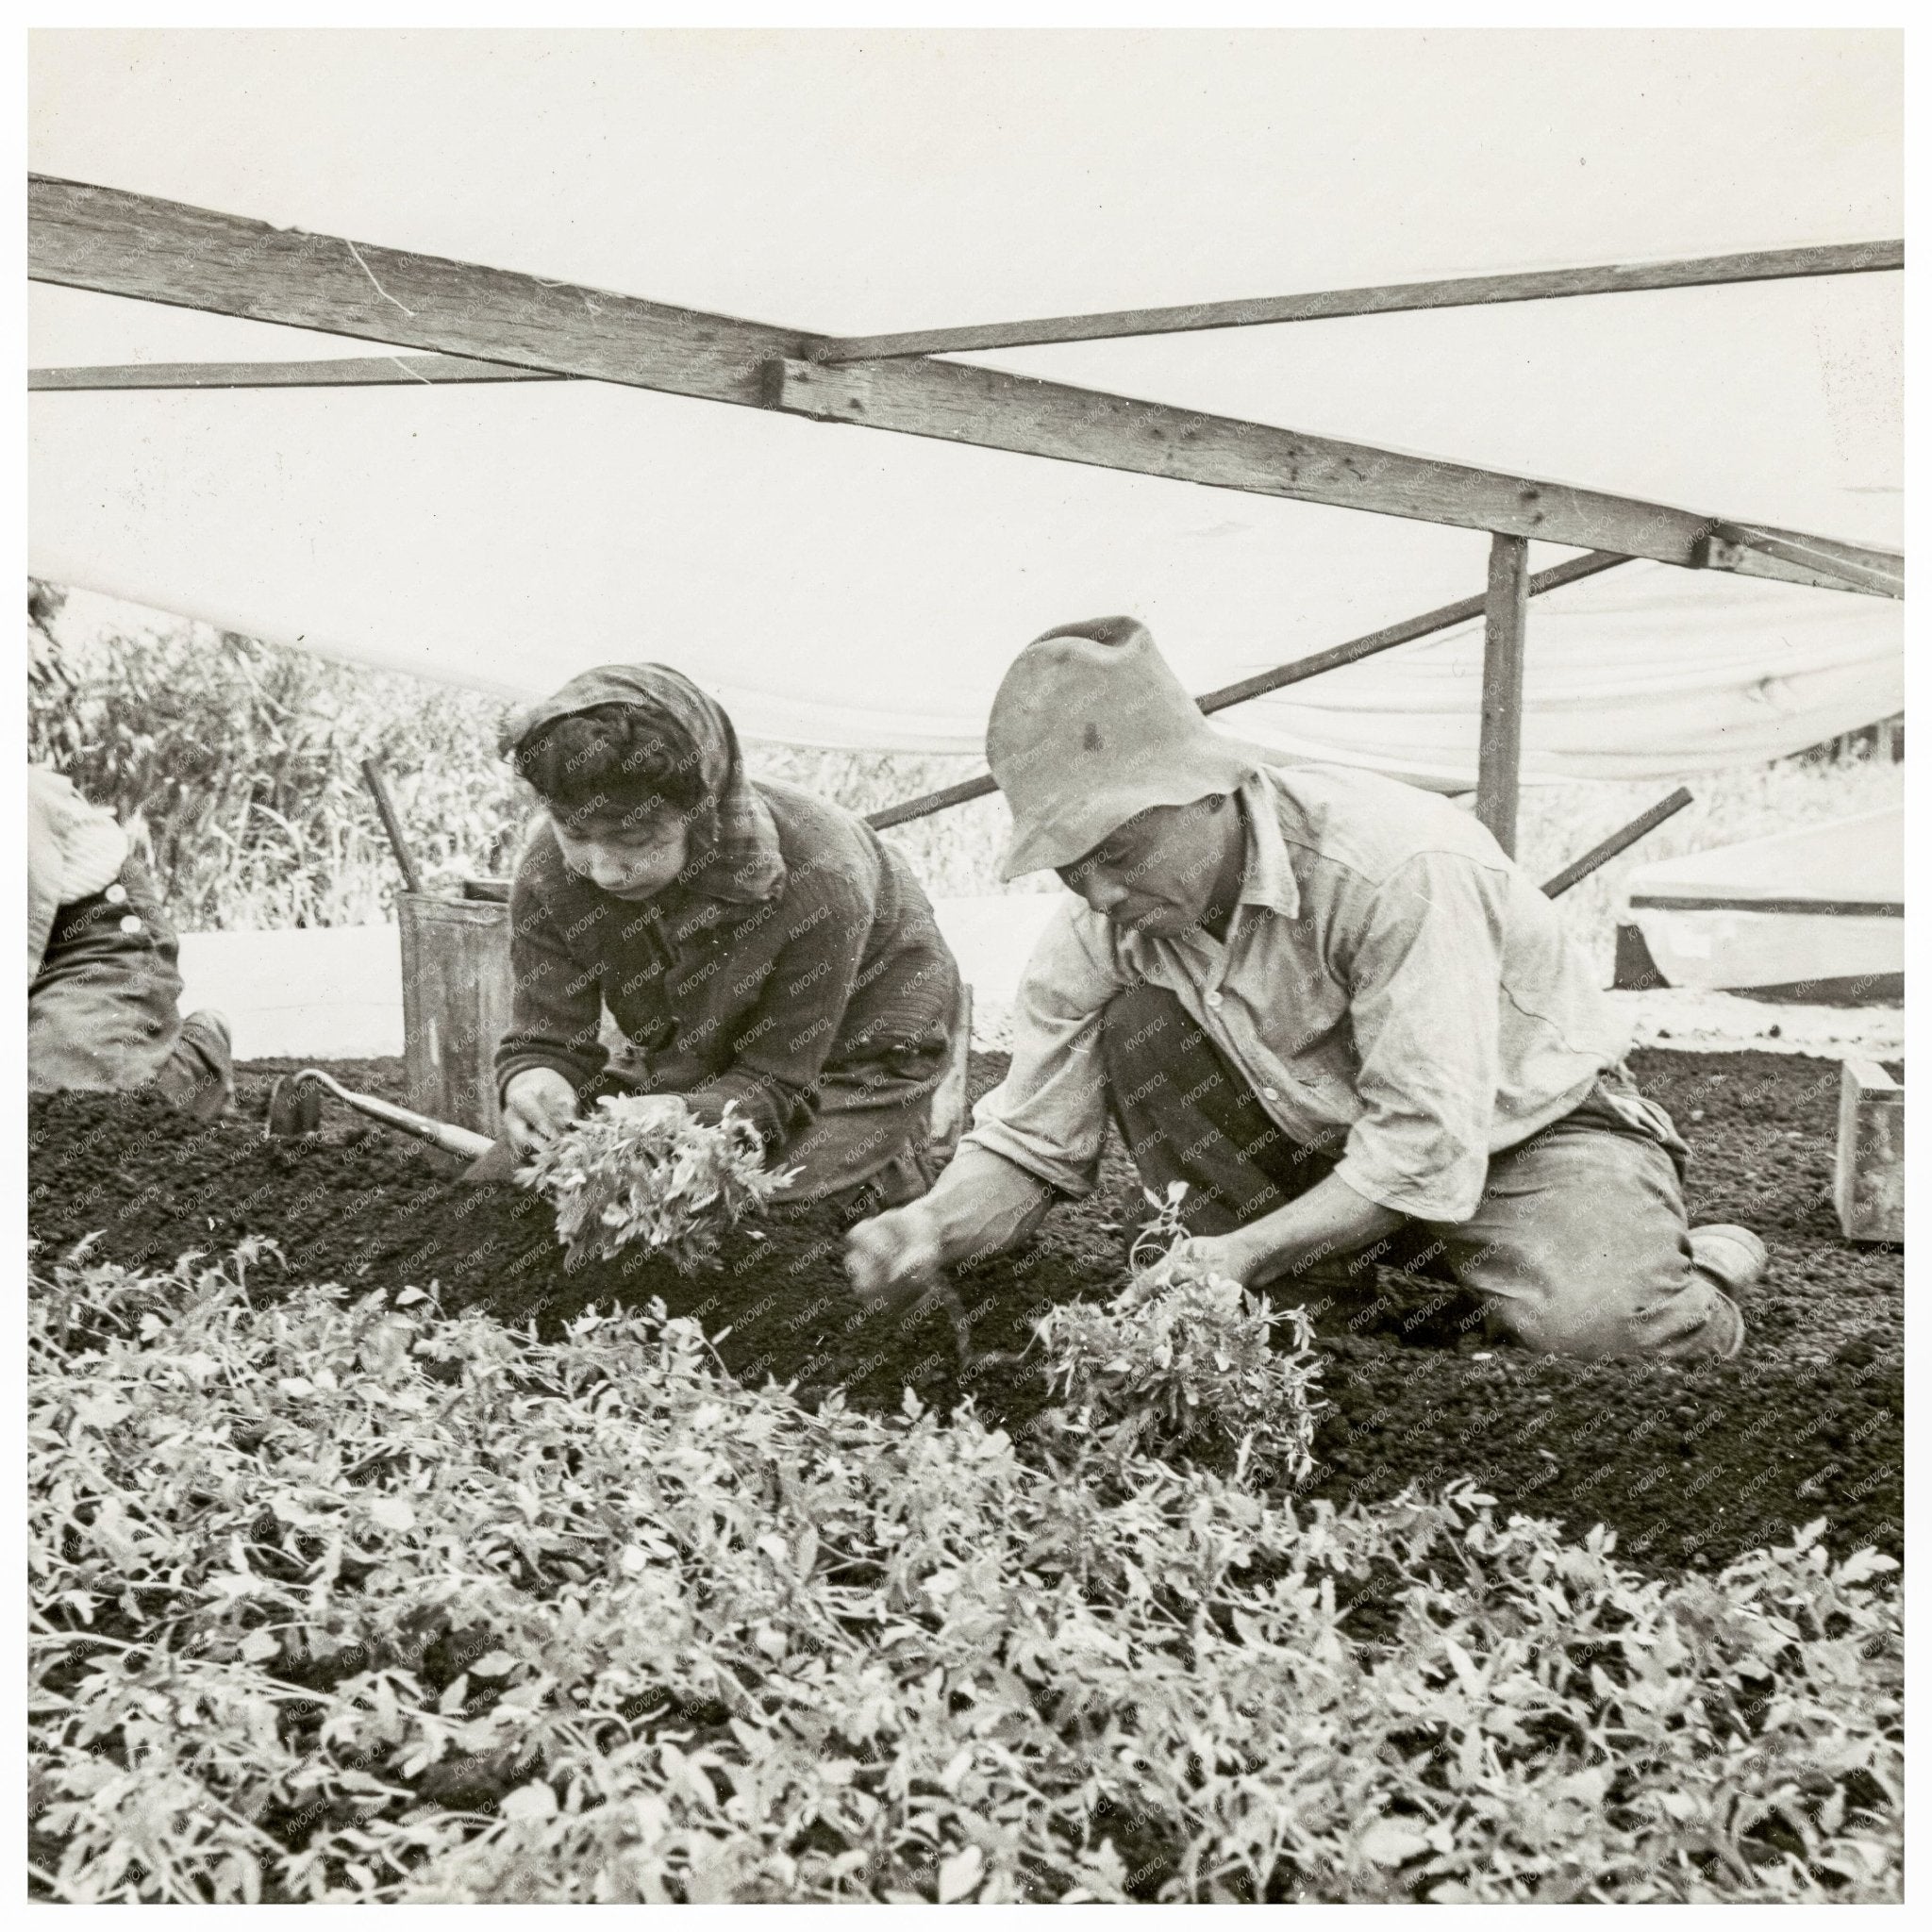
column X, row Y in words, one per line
column 103, row 973
column 1332, row 1006
column 754, row 945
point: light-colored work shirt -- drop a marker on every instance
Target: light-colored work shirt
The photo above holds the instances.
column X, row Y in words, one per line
column 73, row 850
column 1391, row 981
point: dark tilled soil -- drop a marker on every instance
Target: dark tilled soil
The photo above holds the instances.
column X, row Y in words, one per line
column 1689, row 1465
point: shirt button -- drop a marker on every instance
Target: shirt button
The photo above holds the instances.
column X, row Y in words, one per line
column 1213, row 999
column 130, row 924
column 1268, row 1093
column 117, row 894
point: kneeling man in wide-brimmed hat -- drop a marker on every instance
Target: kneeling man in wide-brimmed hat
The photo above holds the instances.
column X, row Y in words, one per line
column 1332, row 1006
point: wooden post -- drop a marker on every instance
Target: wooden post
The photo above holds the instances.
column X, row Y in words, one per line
column 1499, row 757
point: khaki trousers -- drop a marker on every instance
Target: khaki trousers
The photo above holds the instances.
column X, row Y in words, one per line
column 1579, row 1246
column 103, row 1012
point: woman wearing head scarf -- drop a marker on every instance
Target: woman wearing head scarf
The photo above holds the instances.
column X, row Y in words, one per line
column 756, row 946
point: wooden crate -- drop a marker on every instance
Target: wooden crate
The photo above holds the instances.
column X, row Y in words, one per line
column 456, row 1004
column 1869, row 1185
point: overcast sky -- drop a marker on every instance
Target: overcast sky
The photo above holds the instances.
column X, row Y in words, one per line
column 860, row 182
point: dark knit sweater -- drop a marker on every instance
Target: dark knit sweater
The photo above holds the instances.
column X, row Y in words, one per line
column 840, row 975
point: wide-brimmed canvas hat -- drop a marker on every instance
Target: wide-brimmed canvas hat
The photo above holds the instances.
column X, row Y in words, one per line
column 1089, row 727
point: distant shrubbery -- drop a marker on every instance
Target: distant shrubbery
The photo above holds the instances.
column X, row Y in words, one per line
column 334, row 1598
column 237, row 762
column 237, row 765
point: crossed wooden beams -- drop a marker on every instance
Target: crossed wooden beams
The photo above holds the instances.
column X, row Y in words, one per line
column 1462, row 291
column 492, row 324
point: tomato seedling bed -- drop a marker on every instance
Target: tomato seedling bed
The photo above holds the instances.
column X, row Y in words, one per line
column 1689, row 1465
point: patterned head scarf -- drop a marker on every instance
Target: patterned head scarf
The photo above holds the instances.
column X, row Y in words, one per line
column 735, row 851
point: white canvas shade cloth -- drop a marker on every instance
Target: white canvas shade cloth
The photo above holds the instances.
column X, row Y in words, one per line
column 1817, row 902
column 857, row 590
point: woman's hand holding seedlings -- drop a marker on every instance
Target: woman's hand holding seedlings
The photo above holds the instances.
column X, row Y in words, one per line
column 537, row 1107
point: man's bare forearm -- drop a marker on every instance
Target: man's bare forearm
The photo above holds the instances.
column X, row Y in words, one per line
column 983, row 1205
column 1330, row 1219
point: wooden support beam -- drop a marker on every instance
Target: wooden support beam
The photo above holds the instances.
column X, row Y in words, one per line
column 1728, row 544
column 927, row 803
column 1463, row 291
column 1620, row 841
column 128, row 244
column 1443, row 617
column 1408, row 631
column 337, row 372
column 1506, row 625
column 104, row 239
column 963, row 402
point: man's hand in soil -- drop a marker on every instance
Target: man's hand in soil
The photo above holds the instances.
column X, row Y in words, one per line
column 981, row 1206
column 537, row 1107
column 1331, row 1219
column 895, row 1256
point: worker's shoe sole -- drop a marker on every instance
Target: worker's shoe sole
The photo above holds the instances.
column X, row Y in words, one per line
column 208, row 1033
column 1733, row 1257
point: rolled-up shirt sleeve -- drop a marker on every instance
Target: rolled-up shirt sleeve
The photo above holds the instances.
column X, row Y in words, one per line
column 1049, row 1114
column 1423, row 967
